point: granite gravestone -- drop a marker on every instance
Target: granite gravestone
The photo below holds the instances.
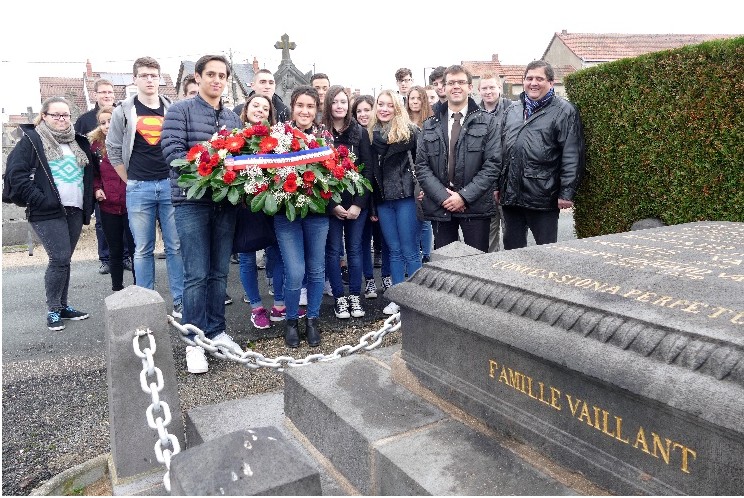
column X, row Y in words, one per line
column 621, row 356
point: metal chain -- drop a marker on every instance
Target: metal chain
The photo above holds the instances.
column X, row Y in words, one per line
column 153, row 389
column 254, row 360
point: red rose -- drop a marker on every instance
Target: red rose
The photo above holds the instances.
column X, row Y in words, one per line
column 260, row 130
column 313, row 144
column 204, row 158
column 234, row 144
column 343, row 151
column 338, row 172
column 204, row 169
column 196, row 151
column 290, row 186
column 214, row 160
column 261, row 188
column 295, row 145
column 326, row 194
column 308, row 177
column 248, row 132
column 347, row 163
column 292, row 177
column 267, row 144
column 229, row 177
column 223, row 133
column 329, row 164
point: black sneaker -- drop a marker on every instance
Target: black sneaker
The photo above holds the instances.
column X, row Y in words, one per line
column 178, row 310
column 234, row 259
column 228, row 299
column 370, row 289
column 387, row 282
column 54, row 322
column 356, row 307
column 127, row 264
column 104, row 269
column 341, row 308
column 425, row 259
column 70, row 313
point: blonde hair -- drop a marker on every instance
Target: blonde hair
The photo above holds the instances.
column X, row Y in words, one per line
column 97, row 134
column 400, row 125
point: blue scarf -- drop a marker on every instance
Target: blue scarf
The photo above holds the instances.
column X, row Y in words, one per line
column 532, row 106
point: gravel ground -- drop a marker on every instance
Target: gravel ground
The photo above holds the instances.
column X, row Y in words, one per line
column 48, row 430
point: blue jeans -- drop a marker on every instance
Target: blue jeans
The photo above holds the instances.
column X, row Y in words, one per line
column 351, row 231
column 146, row 202
column 302, row 244
column 400, row 228
column 427, row 237
column 249, row 275
column 206, row 232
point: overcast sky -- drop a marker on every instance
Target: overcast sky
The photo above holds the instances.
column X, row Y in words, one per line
column 358, row 44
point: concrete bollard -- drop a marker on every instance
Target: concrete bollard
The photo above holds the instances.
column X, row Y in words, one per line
column 132, row 440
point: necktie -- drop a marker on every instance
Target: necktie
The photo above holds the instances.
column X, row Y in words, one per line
column 453, row 140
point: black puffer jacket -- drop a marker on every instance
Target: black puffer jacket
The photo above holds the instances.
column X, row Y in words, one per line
column 351, row 138
column 477, row 164
column 40, row 193
column 187, row 123
column 543, row 157
column 391, row 167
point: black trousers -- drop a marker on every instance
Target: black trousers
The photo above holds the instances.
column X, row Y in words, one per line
column 474, row 232
column 116, row 229
column 543, row 224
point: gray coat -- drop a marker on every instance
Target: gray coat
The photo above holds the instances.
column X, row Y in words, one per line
column 477, row 164
column 187, row 123
column 120, row 137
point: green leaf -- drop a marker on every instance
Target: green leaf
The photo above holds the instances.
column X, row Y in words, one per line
column 270, row 205
column 318, row 205
column 233, row 196
column 218, row 194
column 196, row 191
column 257, row 203
column 291, row 212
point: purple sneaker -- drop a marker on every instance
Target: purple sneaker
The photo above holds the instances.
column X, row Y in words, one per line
column 278, row 315
column 260, row 318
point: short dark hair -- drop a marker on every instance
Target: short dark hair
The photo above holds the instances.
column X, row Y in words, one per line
column 202, row 63
column 303, row 90
column 549, row 72
column 145, row 62
column 319, row 76
column 402, row 73
column 189, row 79
column 436, row 74
column 362, row 98
column 456, row 68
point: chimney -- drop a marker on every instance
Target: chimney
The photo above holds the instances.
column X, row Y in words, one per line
column 494, row 57
column 88, row 69
column 255, row 64
column 564, row 32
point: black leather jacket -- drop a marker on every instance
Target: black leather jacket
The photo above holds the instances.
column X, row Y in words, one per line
column 390, row 165
column 543, row 157
column 477, row 164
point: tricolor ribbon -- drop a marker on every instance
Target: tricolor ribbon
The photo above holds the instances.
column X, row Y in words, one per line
column 279, row 160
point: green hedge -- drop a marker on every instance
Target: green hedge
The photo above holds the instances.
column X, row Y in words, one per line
column 664, row 138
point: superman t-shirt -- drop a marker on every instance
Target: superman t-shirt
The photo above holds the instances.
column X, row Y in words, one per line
column 147, row 161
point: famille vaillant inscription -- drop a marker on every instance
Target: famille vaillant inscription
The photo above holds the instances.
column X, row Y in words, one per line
column 621, row 356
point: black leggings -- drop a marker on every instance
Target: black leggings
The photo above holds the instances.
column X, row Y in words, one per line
column 116, row 229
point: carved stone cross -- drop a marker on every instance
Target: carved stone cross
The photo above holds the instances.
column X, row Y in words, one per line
column 285, row 46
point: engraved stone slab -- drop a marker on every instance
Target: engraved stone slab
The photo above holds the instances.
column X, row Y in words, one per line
column 622, row 356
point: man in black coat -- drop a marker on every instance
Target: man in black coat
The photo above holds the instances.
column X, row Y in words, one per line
column 264, row 84
column 543, row 159
column 458, row 160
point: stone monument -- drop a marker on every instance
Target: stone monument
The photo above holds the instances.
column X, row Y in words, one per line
column 620, row 356
column 287, row 76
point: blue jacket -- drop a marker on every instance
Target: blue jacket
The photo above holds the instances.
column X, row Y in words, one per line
column 187, row 123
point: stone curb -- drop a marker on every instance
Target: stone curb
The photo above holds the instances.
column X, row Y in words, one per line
column 78, row 477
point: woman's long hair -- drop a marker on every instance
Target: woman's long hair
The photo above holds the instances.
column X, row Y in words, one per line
column 425, row 112
column 97, row 134
column 328, row 103
column 400, row 125
column 244, row 112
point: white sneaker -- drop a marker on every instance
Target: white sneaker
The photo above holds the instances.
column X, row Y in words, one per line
column 303, row 296
column 327, row 290
column 391, row 309
column 196, row 360
column 226, row 342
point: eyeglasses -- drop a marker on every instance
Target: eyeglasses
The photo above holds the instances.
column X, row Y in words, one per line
column 407, row 80
column 58, row 117
column 148, row 76
column 457, row 83
column 105, row 93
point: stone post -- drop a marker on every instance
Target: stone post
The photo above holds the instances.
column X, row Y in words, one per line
column 132, row 440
